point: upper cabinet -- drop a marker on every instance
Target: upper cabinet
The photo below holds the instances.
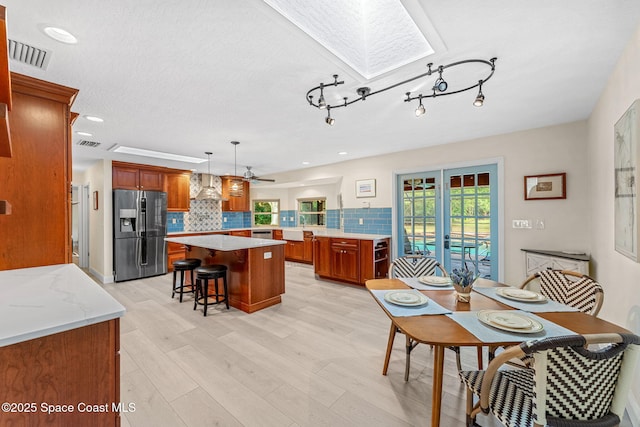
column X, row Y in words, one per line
column 178, row 184
column 36, row 179
column 130, row 176
column 233, row 203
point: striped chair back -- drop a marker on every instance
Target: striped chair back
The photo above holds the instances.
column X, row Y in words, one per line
column 583, row 292
column 574, row 383
column 413, row 266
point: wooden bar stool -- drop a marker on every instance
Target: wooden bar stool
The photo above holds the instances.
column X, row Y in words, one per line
column 182, row 265
column 203, row 275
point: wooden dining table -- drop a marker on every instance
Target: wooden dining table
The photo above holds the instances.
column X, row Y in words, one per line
column 441, row 331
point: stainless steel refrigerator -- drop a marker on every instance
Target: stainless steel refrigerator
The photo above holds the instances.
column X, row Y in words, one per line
column 139, row 229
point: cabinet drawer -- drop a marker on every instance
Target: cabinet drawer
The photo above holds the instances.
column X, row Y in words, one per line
column 173, row 247
column 345, row 243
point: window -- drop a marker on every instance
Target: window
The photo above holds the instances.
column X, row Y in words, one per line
column 312, row 212
column 265, row 212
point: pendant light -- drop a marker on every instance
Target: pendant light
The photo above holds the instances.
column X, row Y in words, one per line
column 236, row 185
column 209, row 191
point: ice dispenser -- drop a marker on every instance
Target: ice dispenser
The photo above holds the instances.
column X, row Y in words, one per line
column 128, row 220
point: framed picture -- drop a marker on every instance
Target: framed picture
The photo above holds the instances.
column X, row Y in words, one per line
column 366, row 188
column 95, row 200
column 625, row 159
column 545, row 187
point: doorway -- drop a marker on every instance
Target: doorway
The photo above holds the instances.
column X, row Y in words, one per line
column 80, row 225
column 451, row 215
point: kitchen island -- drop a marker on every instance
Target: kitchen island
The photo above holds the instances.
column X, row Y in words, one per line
column 59, row 348
column 255, row 272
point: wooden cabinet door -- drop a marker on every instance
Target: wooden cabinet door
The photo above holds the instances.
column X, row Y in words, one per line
column 277, row 235
column 345, row 254
column 322, row 256
column 240, row 233
column 125, row 178
column 178, row 185
column 235, row 204
column 151, row 180
column 308, row 248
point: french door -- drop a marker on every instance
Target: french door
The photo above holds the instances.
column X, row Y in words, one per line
column 451, row 215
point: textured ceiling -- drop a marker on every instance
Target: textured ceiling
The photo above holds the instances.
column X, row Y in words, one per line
column 191, row 76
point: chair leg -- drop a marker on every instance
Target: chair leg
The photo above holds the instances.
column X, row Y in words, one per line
column 407, row 365
column 206, row 296
column 181, row 284
column 392, row 336
column 196, row 293
column 226, row 291
column 479, row 350
column 173, row 288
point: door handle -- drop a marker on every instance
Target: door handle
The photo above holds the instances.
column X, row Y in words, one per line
column 446, row 241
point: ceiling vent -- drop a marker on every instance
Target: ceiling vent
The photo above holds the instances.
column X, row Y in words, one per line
column 30, row 55
column 90, row 144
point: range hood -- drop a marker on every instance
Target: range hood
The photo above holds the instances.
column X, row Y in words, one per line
column 209, row 191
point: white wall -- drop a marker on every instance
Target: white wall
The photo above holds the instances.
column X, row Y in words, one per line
column 619, row 275
column 547, row 150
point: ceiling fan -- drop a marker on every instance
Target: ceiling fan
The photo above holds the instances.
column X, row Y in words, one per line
column 251, row 177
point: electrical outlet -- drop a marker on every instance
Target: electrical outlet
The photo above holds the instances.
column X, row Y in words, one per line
column 224, row 219
column 521, row 223
column 361, row 221
column 173, row 221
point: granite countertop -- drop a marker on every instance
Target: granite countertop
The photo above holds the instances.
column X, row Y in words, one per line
column 40, row 301
column 222, row 242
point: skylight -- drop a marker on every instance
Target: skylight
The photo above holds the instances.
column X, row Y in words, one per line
column 371, row 36
column 158, row 154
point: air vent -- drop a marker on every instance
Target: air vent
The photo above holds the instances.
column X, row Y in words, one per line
column 90, row 144
column 30, row 55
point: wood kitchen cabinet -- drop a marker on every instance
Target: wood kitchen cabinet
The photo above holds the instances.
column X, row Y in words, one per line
column 294, row 250
column 240, row 233
column 232, row 203
column 351, row 260
column 177, row 187
column 308, row 247
column 131, row 176
column 36, row 179
column 175, row 252
column 276, row 235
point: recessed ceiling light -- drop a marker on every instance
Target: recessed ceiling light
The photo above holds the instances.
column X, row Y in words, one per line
column 84, row 133
column 94, row 119
column 158, row 155
column 305, row 163
column 60, row 35
column 342, row 153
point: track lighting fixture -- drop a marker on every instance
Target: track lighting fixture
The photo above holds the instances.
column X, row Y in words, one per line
column 440, row 87
column 329, row 120
column 480, row 98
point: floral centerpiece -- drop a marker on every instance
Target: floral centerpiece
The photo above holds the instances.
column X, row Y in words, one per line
column 462, row 281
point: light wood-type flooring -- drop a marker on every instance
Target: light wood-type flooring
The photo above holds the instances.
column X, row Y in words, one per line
column 314, row 360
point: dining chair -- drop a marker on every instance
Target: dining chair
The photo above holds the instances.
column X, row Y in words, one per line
column 569, row 384
column 411, row 266
column 568, row 287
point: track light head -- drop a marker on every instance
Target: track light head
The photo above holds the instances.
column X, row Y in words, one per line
column 480, row 98
column 329, row 120
column 322, row 104
column 420, row 110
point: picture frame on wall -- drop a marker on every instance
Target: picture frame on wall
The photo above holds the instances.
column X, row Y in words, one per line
column 545, row 187
column 366, row 188
column 626, row 159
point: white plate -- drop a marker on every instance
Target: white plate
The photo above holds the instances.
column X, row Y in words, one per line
column 405, row 298
column 522, row 295
column 510, row 321
column 435, row 280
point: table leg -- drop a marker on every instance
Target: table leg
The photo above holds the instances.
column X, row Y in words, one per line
column 436, row 392
column 392, row 335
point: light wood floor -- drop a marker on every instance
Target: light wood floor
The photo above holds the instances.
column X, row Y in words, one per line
column 314, row 360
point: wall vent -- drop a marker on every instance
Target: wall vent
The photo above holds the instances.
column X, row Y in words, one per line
column 90, row 144
column 30, row 55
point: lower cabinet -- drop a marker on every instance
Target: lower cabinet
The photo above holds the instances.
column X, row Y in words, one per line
column 351, row 260
column 79, row 369
column 175, row 251
column 542, row 260
column 298, row 251
column 240, row 233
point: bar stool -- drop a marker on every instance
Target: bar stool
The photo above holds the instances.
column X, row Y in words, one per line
column 182, row 265
column 204, row 274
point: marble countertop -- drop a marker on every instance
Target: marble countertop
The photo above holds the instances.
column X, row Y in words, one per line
column 222, row 242
column 40, row 301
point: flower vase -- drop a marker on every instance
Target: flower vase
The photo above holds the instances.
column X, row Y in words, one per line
column 463, row 292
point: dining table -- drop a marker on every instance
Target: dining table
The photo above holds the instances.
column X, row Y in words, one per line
column 445, row 327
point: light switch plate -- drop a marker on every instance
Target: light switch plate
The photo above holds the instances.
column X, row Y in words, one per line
column 521, row 223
